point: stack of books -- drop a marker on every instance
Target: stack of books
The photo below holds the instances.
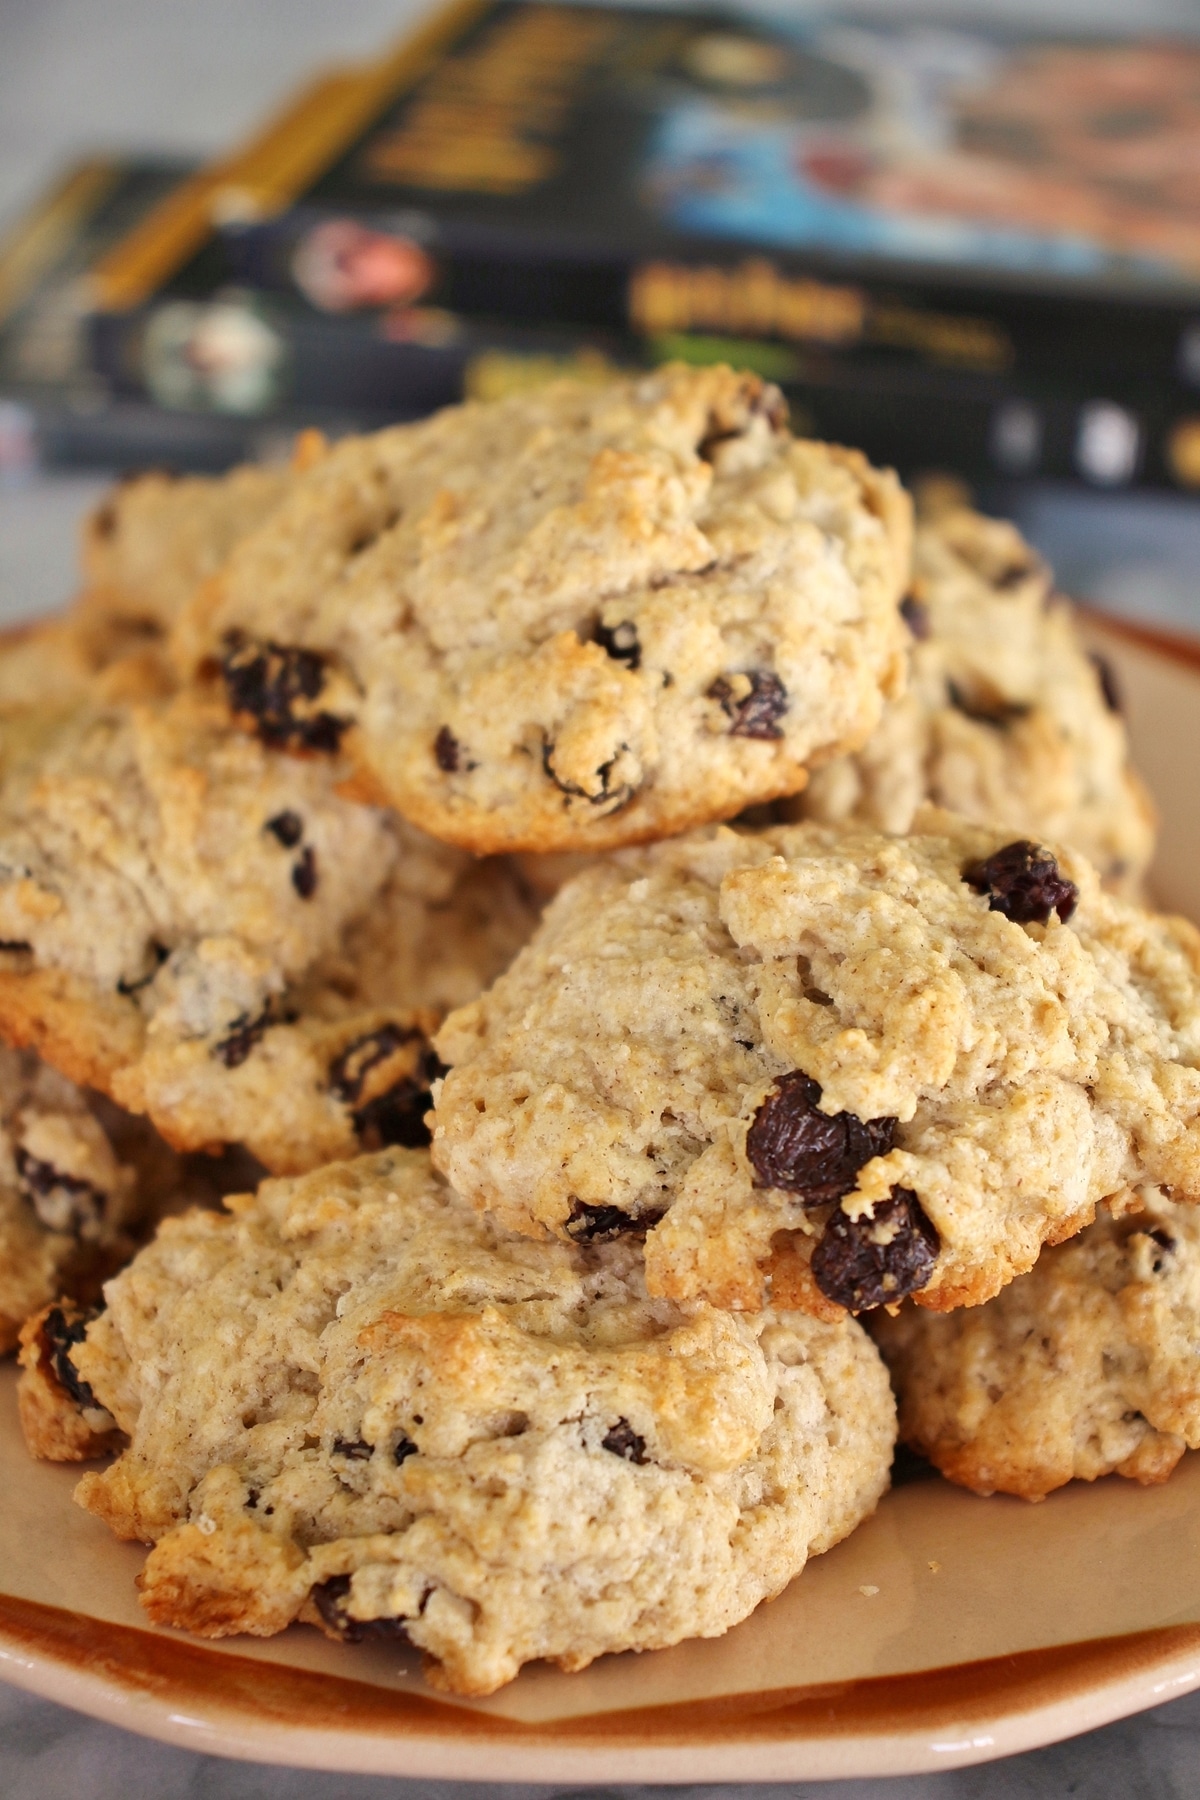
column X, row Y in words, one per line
column 960, row 249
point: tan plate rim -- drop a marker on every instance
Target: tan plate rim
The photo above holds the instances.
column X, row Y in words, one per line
column 168, row 1687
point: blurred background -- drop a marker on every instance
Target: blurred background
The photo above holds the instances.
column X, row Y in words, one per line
column 969, row 249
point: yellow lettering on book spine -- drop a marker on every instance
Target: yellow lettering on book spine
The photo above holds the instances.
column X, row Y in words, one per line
column 753, row 298
column 487, row 119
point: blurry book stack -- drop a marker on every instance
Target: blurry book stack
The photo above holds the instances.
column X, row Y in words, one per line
column 959, row 249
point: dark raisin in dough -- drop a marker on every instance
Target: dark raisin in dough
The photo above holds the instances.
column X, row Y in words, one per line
column 159, row 954
column 795, row 1146
column 915, row 614
column 304, row 873
column 856, row 1272
column 621, row 643
column 246, row 1033
column 404, row 1449
column 354, row 1449
column 614, row 798
column 398, row 1116
column 1022, row 882
column 349, row 1070
column 288, row 827
column 55, row 1196
column 769, row 403
column 268, row 680
column 757, row 713
column 624, row 1441
column 995, row 712
column 59, row 1334
column 446, row 751
column 592, row 1222
column 329, row 1598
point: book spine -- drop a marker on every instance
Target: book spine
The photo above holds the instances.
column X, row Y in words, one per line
column 238, row 356
column 1082, row 336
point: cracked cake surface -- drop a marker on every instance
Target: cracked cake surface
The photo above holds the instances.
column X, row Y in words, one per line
column 829, row 1064
column 576, row 618
column 353, row 1401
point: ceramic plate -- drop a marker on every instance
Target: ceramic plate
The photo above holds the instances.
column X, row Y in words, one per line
column 947, row 1630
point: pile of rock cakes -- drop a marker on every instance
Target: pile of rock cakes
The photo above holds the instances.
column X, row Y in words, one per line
column 559, row 965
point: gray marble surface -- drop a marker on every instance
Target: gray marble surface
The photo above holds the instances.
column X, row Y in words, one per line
column 80, row 74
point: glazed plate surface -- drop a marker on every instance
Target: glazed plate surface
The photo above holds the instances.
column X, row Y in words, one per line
column 947, row 1630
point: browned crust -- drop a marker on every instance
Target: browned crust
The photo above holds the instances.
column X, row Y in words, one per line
column 476, row 829
column 793, row 1286
column 85, row 1036
column 986, row 1282
column 986, row 1474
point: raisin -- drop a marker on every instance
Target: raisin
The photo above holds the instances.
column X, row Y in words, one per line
column 763, row 401
column 1166, row 1247
column 304, row 873
column 404, row 1449
column 1023, row 883
column 61, row 1202
column 915, row 614
column 795, row 1146
column 854, row 1270
column 612, row 797
column 621, row 643
column 754, row 714
column 15, row 945
column 992, row 711
column 446, row 751
column 246, row 1033
column 288, row 827
column 268, row 680
column 624, row 1441
column 591, row 1222
column 349, row 1070
column 1109, row 690
column 397, row 1114
column 329, row 1598
column 59, row 1336
column 159, row 953
column 354, row 1449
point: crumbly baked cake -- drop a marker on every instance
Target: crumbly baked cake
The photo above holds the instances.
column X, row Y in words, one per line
column 850, row 1065
column 68, row 1204
column 1087, row 1366
column 354, row 1401
column 575, row 618
column 1006, row 720
column 182, row 915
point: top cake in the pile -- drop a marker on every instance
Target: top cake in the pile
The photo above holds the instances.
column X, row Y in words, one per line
column 573, row 619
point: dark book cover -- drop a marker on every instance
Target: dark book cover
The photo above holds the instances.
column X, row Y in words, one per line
column 999, row 231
